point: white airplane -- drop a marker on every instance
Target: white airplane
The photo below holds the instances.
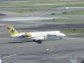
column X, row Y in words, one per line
column 37, row 37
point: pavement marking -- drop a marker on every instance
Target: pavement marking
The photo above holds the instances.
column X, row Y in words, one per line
column 47, row 49
column 55, row 58
column 0, row 60
column 9, row 56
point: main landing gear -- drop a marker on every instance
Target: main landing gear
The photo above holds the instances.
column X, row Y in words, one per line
column 37, row 41
column 60, row 38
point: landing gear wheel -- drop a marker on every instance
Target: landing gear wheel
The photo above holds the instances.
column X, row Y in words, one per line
column 60, row 38
column 39, row 41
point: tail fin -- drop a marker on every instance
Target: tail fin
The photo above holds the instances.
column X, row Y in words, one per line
column 11, row 30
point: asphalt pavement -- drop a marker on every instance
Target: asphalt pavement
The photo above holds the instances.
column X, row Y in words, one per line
column 55, row 51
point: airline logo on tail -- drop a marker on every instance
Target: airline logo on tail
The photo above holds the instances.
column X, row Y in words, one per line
column 11, row 30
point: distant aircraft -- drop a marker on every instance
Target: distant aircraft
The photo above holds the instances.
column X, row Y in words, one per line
column 37, row 37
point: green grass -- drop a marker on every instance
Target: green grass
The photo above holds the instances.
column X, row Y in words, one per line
column 21, row 11
column 73, row 31
column 31, row 9
column 42, row 4
column 66, row 21
column 68, row 12
column 76, row 12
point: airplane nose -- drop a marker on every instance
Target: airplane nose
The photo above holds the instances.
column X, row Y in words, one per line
column 63, row 35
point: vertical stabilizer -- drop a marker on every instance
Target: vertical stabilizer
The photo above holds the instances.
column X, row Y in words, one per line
column 11, row 30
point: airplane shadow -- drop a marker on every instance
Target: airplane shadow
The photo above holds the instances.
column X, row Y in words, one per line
column 17, row 42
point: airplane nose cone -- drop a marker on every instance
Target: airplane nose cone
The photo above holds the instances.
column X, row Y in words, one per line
column 63, row 35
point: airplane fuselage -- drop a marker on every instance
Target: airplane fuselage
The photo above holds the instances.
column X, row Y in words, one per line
column 40, row 36
column 34, row 36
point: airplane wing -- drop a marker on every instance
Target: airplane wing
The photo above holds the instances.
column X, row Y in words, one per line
column 38, row 38
column 26, row 35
